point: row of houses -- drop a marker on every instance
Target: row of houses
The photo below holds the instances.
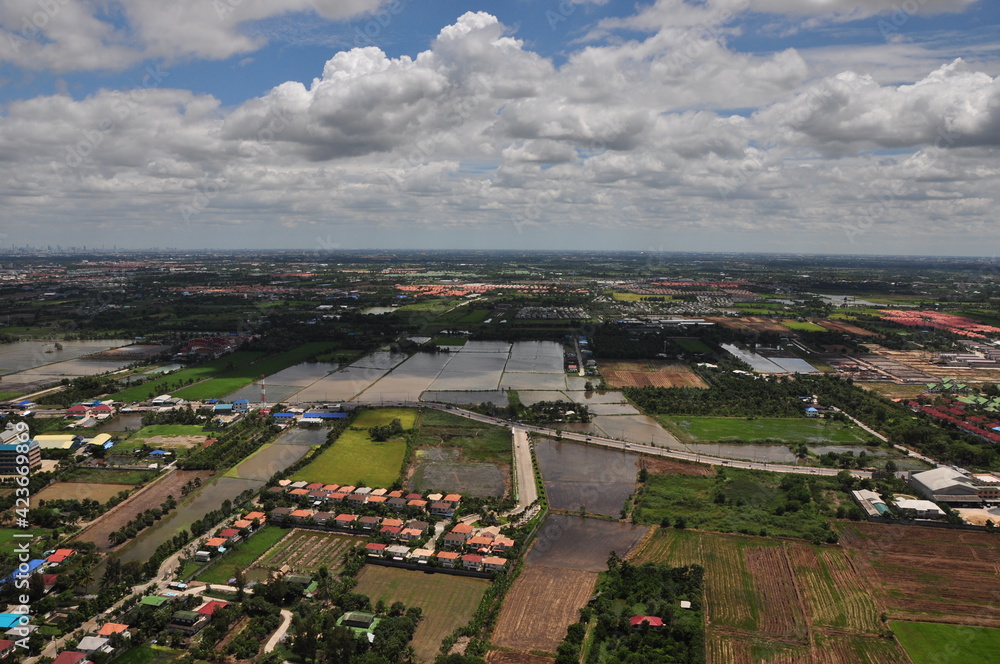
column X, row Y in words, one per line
column 229, row 535
column 438, row 504
column 374, row 525
column 450, row 559
column 486, row 541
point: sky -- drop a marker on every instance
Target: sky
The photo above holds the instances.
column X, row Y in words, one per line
column 821, row 126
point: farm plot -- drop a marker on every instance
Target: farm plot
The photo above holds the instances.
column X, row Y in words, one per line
column 780, row 613
column 836, row 595
column 849, row 649
column 242, row 555
column 356, row 458
column 79, row 491
column 542, row 603
column 505, row 657
column 267, row 461
column 724, row 648
column 573, row 542
column 788, row 429
column 152, row 496
column 673, row 547
column 307, row 551
column 586, row 477
column 447, row 601
column 915, row 575
column 649, row 373
column 929, row 643
column 469, row 479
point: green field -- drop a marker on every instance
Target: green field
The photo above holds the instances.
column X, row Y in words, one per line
column 693, row 345
column 805, row 327
column 176, row 381
column 936, row 643
column 447, row 602
column 744, row 501
column 143, row 436
column 382, row 416
column 102, row 476
column 242, row 555
column 4, row 396
column 791, row 430
column 8, row 542
column 478, row 442
column 148, row 654
column 229, row 382
column 449, row 341
column 354, row 459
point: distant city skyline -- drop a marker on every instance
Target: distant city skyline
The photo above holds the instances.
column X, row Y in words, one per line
column 800, row 126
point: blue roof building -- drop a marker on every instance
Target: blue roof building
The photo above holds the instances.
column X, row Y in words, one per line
column 33, row 566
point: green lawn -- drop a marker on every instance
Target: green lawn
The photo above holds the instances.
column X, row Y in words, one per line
column 693, row 345
column 148, row 654
column 791, row 430
column 8, row 542
column 242, row 555
column 102, row 476
column 381, row 416
column 751, row 499
column 355, row 458
column 478, row 442
column 935, row 643
column 806, row 327
column 230, row 381
column 4, row 396
column 176, row 381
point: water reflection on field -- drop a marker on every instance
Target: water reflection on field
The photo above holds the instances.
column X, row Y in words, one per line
column 22, row 355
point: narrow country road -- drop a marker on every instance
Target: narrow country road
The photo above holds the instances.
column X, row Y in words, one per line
column 524, row 478
column 286, row 622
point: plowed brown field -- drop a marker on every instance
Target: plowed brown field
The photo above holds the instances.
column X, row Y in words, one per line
column 649, row 374
column 543, row 602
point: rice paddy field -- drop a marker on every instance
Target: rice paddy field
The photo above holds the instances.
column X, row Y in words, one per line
column 355, row 459
column 447, row 601
column 790, row 429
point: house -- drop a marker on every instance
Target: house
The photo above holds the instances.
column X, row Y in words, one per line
column 396, row 503
column 60, row 555
column 441, row 508
column 189, row 622
column 242, row 524
column 202, row 556
column 280, row 513
column 502, row 543
column 414, row 496
column 301, row 484
column 71, row 657
column 301, row 516
column 418, row 504
column 408, row 534
column 358, row 619
column 422, row 526
column 363, row 490
column 390, row 531
column 49, row 582
column 210, row 607
column 357, row 499
column 494, row 564
column 377, row 500
column 91, row 644
column 298, row 493
column 652, row 621
column 6, row 648
column 922, row 509
column 347, row 489
column 421, row 555
column 256, row 516
column 276, row 489
column 231, row 534
column 398, row 551
column 314, row 486
column 398, row 523
column 378, row 492
column 337, row 496
column 434, row 497
column 323, row 518
column 479, row 542
column 453, row 541
column 448, row 558
column 395, row 494
column 331, row 488
column 375, row 549
column 345, row 520
column 453, row 498
column 216, row 543
column 369, row 522
column 153, row 600
column 463, row 529
column 472, row 561
column 110, row 629
column 78, row 410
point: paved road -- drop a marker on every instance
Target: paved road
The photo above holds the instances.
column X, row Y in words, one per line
column 286, row 622
column 527, row 492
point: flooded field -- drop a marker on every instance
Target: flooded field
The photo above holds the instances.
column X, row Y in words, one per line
column 23, row 355
column 536, row 357
column 612, row 409
column 409, row 379
column 637, row 429
column 597, row 396
column 121, row 422
column 300, row 436
column 471, row 370
column 524, row 380
column 768, row 453
column 341, row 385
column 208, row 498
column 268, row 461
column 582, row 544
column 469, row 479
column 579, row 476
column 489, row 396
column 38, row 377
column 287, row 382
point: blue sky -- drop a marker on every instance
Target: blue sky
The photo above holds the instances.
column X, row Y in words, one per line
column 850, row 126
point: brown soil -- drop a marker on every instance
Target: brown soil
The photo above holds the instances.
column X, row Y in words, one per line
column 663, row 466
column 543, row 602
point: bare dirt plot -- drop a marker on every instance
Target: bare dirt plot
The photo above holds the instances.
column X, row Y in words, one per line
column 579, row 476
column 152, row 496
column 471, row 479
column 930, row 574
column 846, row 328
column 664, row 466
column 850, row 649
column 542, row 603
column 175, row 441
column 752, row 323
column 780, row 613
column 78, row 491
column 725, row 648
column 305, row 551
column 649, row 373
column 447, row 602
column 836, row 596
column 502, row 657
column 579, row 543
